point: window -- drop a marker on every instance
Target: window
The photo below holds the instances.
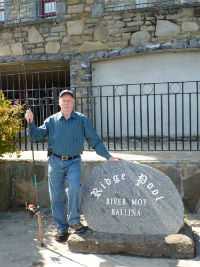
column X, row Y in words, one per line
column 48, row 8
column 143, row 3
column 2, row 18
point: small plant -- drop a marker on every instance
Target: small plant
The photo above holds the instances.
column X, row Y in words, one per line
column 10, row 124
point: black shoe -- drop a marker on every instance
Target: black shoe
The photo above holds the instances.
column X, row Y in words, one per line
column 77, row 228
column 61, row 236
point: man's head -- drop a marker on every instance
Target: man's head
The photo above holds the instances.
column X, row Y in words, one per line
column 66, row 92
column 66, row 101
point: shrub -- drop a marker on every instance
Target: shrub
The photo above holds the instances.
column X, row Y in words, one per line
column 10, row 124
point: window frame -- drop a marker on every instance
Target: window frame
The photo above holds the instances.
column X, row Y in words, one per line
column 50, row 14
column 2, row 9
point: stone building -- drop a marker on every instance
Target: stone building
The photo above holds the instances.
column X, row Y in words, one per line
column 105, row 49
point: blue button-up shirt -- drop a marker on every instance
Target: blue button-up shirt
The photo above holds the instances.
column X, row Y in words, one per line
column 66, row 137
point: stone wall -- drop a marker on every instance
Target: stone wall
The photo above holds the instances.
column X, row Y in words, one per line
column 17, row 185
column 86, row 33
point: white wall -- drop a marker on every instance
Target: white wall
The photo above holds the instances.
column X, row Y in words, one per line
column 162, row 67
column 155, row 67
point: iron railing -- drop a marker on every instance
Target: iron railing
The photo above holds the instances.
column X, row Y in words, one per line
column 119, row 5
column 148, row 116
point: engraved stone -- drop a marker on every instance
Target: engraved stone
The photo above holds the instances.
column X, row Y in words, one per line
column 130, row 198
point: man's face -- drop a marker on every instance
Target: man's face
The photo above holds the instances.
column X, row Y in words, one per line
column 66, row 103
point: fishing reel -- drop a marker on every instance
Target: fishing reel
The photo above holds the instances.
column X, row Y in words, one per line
column 32, row 210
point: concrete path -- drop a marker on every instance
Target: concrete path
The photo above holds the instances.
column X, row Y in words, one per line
column 20, row 247
column 142, row 156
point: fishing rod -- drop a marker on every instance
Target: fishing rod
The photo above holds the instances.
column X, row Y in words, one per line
column 31, row 208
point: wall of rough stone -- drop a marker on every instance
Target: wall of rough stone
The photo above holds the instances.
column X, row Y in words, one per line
column 86, row 33
column 17, row 185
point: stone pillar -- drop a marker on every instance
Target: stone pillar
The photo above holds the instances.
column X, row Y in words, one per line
column 81, row 81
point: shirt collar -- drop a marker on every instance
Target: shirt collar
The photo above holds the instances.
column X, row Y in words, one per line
column 73, row 115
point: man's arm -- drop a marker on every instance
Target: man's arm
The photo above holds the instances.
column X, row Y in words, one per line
column 35, row 132
column 95, row 141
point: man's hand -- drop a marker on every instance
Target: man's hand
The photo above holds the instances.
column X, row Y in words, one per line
column 115, row 159
column 29, row 116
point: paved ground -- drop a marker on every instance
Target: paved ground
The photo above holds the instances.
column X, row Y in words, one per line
column 20, row 247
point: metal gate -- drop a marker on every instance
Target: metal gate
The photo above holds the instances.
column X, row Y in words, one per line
column 38, row 86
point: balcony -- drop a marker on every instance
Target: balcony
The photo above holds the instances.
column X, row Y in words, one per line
column 119, row 5
column 14, row 12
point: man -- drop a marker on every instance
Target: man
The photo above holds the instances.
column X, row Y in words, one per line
column 66, row 131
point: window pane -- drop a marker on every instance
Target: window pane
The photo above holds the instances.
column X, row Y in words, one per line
column 1, row 15
column 50, row 7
